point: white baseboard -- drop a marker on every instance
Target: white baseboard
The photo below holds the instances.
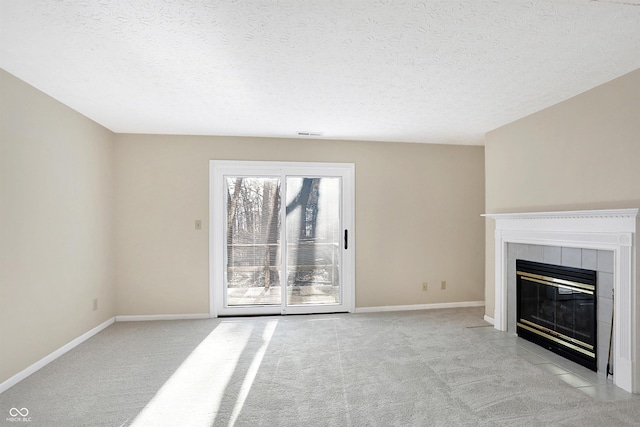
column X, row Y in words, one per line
column 145, row 317
column 420, row 306
column 53, row 356
column 489, row 319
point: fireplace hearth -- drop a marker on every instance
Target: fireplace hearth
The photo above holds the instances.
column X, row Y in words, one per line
column 556, row 309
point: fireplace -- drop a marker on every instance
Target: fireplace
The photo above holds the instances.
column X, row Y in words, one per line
column 556, row 308
column 612, row 230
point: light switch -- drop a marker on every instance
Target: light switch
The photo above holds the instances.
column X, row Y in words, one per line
column 198, row 224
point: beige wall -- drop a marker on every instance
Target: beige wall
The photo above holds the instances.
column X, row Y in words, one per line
column 580, row 154
column 56, row 216
column 418, row 212
column 88, row 214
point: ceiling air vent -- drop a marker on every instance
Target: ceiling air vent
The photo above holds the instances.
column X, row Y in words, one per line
column 306, row 133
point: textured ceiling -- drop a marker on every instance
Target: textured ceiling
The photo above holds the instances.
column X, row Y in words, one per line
column 390, row 70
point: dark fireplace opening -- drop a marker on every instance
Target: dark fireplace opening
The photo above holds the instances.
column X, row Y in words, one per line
column 556, row 308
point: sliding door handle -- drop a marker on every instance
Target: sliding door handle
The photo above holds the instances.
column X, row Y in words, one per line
column 346, row 239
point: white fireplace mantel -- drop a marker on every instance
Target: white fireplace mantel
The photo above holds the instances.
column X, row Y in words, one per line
column 613, row 230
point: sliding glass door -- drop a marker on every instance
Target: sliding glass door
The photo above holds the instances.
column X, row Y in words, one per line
column 281, row 238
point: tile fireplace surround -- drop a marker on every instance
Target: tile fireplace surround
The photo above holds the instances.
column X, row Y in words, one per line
column 612, row 230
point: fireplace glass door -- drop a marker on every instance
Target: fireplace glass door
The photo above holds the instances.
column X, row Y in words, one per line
column 557, row 309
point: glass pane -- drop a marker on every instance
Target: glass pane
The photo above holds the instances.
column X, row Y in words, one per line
column 546, row 315
column 253, row 238
column 528, row 300
column 585, row 317
column 313, row 240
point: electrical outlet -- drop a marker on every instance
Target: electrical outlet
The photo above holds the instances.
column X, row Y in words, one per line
column 424, row 286
column 443, row 285
column 95, row 304
column 198, row 224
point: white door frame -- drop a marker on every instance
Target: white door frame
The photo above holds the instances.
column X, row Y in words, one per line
column 217, row 170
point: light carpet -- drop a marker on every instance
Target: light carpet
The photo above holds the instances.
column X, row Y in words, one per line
column 411, row 368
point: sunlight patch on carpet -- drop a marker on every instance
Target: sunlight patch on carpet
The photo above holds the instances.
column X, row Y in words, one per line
column 193, row 394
